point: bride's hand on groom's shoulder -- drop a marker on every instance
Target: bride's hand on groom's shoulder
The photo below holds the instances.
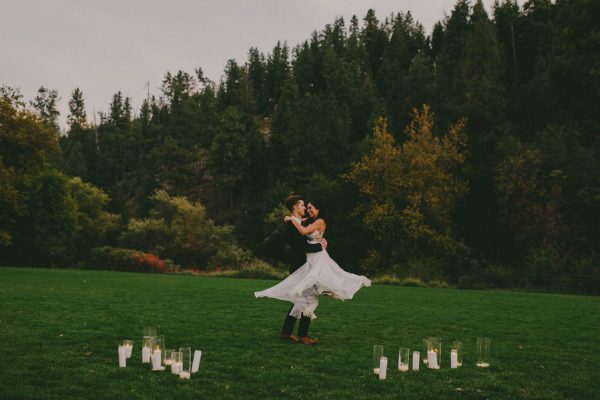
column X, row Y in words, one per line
column 287, row 218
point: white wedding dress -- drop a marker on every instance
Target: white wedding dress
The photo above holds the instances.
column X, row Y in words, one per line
column 319, row 275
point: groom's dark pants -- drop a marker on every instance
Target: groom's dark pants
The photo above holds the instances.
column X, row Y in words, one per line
column 288, row 325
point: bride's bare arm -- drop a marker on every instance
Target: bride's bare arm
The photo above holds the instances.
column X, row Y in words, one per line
column 318, row 224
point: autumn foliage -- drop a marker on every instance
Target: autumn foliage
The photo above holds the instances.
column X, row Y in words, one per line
column 408, row 191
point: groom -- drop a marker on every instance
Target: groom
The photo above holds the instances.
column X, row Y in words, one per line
column 297, row 258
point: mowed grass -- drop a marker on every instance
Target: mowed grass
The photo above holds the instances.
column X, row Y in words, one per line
column 59, row 331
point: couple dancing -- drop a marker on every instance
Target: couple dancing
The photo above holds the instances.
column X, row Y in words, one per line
column 312, row 271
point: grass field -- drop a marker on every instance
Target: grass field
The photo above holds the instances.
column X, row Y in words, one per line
column 59, row 331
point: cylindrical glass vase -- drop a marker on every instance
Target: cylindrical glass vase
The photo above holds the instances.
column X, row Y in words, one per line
column 403, row 359
column 434, row 352
column 186, row 362
column 483, row 352
column 377, row 354
column 456, row 354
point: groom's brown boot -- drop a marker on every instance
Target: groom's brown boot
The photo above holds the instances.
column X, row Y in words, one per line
column 291, row 338
column 308, row 340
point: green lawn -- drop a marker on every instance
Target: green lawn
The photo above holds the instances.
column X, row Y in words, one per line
column 59, row 331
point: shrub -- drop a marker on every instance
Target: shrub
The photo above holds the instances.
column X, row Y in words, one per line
column 423, row 268
column 543, row 270
column 410, row 281
column 259, row 269
column 230, row 256
column 585, row 273
column 540, row 269
column 95, row 226
column 498, row 276
column 119, row 259
column 179, row 229
column 148, row 234
column 471, row 281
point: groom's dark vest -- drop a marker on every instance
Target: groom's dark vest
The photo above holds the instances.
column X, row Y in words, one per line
column 298, row 247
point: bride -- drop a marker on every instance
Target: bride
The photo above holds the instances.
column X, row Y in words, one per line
column 320, row 275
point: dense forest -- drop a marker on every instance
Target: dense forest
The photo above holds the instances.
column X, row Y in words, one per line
column 469, row 156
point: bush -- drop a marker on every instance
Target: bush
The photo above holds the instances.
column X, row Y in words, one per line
column 543, row 270
column 179, row 229
column 498, row 276
column 471, row 281
column 410, row 281
column 259, row 269
column 585, row 274
column 119, row 259
column 230, row 256
column 256, row 269
column 423, row 268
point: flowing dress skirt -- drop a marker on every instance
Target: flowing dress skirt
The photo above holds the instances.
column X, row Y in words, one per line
column 320, row 275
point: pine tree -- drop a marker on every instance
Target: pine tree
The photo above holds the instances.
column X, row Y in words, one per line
column 77, row 116
column 45, row 106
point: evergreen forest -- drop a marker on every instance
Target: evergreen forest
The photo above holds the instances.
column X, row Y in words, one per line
column 468, row 156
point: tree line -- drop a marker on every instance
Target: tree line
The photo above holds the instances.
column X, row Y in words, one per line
column 469, row 155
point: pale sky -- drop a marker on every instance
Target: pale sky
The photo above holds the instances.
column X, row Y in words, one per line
column 110, row 45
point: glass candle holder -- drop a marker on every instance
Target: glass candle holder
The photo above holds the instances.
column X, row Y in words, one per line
column 150, row 331
column 169, row 353
column 434, row 352
column 159, row 345
column 176, row 362
column 186, row 362
column 377, row 354
column 483, row 352
column 403, row 359
column 425, row 347
column 147, row 345
column 456, row 353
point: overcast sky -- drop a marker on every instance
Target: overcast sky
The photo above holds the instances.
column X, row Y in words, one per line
column 110, row 45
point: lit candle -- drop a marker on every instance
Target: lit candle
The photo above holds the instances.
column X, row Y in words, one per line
column 146, row 354
column 122, row 357
column 383, row 367
column 176, row 367
column 453, row 358
column 196, row 362
column 184, row 375
column 432, row 359
column 416, row 360
column 128, row 345
column 156, row 361
column 403, row 366
column 376, row 371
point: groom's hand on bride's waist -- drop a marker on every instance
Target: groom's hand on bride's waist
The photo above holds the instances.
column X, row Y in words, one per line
column 323, row 242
